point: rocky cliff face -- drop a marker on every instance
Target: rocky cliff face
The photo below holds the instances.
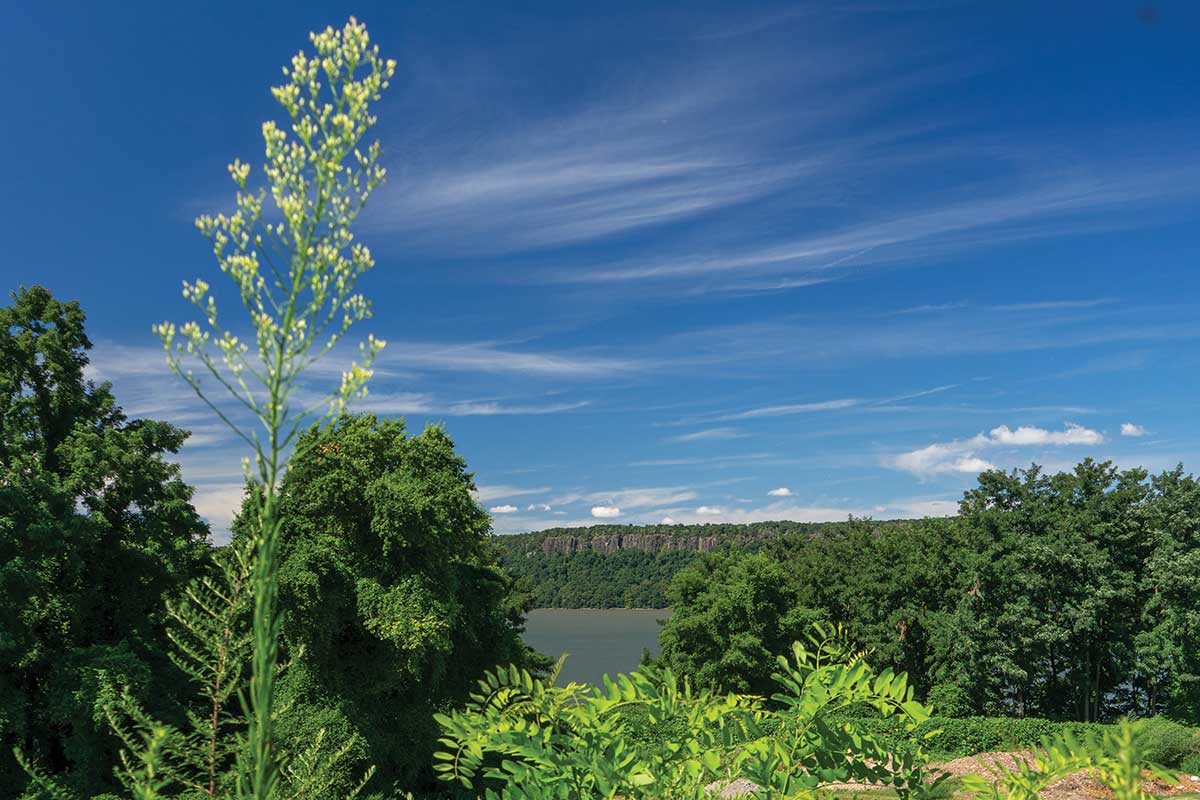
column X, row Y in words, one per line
column 642, row 542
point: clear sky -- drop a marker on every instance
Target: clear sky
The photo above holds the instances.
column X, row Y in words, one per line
column 704, row 262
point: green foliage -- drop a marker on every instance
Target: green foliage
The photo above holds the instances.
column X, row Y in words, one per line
column 588, row 579
column 733, row 615
column 211, row 643
column 950, row 738
column 392, row 605
column 520, row 737
column 95, row 527
column 1118, row 757
column 623, row 566
column 1167, row 742
column 949, row 700
column 1067, row 596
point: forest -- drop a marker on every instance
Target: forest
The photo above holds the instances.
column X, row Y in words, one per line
column 629, row 566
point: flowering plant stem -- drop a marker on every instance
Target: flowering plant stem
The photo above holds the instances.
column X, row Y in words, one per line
column 295, row 278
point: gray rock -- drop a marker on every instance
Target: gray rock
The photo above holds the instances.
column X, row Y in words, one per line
column 739, row 788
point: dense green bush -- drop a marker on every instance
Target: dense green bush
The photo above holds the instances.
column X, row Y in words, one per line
column 523, row 738
column 950, row 738
column 949, row 700
column 1163, row 741
column 1168, row 742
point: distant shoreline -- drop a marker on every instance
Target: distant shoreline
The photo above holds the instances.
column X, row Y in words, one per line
column 614, row 608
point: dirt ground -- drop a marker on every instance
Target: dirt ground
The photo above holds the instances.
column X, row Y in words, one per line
column 1079, row 786
column 1074, row 787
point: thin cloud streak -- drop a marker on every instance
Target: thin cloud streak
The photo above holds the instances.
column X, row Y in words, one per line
column 493, row 357
column 418, row 403
column 1050, row 206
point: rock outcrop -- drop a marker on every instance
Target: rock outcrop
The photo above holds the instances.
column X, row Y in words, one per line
column 641, row 542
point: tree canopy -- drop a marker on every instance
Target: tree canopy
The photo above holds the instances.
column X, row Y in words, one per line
column 1065, row 596
column 96, row 526
column 392, row 602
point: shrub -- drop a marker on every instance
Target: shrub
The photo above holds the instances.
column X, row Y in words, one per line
column 949, row 738
column 1118, row 758
column 1168, row 742
column 949, row 700
column 646, row 735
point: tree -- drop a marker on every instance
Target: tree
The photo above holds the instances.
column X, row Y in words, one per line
column 733, row 614
column 1168, row 647
column 392, row 603
column 1058, row 577
column 96, row 527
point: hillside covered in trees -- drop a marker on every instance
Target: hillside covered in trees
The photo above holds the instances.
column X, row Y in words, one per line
column 630, row 566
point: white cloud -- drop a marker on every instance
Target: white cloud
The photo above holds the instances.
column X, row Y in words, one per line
column 501, row 358
column 664, row 151
column 1132, row 429
column 1027, row 435
column 639, row 497
column 505, row 509
column 537, row 507
column 667, row 521
column 771, row 512
column 708, row 435
column 426, row 404
column 961, row 455
column 683, row 462
column 788, row 409
column 782, row 491
column 488, row 492
column 605, row 512
column 927, row 508
column 218, row 503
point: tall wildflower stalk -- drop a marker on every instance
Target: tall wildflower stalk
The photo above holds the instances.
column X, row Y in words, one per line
column 294, row 263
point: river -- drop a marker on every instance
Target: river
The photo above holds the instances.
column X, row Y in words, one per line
column 599, row 640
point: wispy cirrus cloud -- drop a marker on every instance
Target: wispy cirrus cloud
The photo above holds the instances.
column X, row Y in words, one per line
column 421, row 403
column 631, row 497
column 683, row 462
column 936, row 332
column 709, row 434
column 1048, row 202
column 788, row 409
column 714, row 134
column 485, row 493
column 505, row 358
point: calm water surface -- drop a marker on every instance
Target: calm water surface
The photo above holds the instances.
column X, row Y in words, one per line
column 599, row 641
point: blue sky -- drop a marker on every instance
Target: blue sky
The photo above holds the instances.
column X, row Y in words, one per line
column 699, row 262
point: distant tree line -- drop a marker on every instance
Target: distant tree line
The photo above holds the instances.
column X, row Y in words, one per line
column 635, row 576
column 1068, row 596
